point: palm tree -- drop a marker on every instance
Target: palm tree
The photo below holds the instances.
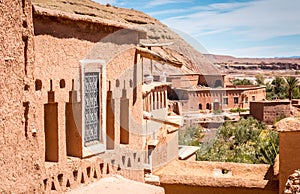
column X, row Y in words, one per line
column 292, row 83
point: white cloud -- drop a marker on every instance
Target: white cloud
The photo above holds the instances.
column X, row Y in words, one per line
column 155, row 3
column 168, row 11
column 106, row 1
column 257, row 20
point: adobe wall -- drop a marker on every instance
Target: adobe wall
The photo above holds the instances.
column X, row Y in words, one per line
column 289, row 137
column 276, row 111
column 192, row 80
column 288, row 161
column 164, row 151
column 191, row 100
column 67, row 27
column 253, row 95
column 19, row 162
column 157, row 108
column 58, row 59
column 217, row 177
column 183, row 81
column 190, row 189
column 204, row 97
column 167, row 149
column 231, row 95
column 257, row 110
column 126, row 77
column 211, row 80
column 246, row 96
column 270, row 111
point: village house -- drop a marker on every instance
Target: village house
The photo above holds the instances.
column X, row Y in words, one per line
column 205, row 93
column 85, row 98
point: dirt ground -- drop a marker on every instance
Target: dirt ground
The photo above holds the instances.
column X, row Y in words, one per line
column 117, row 185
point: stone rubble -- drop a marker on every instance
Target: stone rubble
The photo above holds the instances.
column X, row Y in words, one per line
column 293, row 183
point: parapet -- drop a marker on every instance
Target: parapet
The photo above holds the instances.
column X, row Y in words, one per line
column 288, row 124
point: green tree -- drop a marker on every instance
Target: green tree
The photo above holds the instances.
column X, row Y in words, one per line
column 280, row 90
column 260, row 79
column 190, row 135
column 270, row 91
column 296, row 93
column 237, row 82
column 292, row 84
column 246, row 141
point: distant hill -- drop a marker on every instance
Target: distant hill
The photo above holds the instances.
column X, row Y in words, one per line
column 230, row 59
column 291, row 57
column 230, row 64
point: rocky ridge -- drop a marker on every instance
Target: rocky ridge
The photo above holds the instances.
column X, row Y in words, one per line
column 156, row 31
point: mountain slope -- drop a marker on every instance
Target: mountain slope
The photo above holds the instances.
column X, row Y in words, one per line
column 156, row 31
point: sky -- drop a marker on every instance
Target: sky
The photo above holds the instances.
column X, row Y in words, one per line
column 240, row 28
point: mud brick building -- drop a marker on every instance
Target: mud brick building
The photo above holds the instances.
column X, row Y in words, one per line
column 270, row 111
column 80, row 100
column 73, row 96
column 199, row 92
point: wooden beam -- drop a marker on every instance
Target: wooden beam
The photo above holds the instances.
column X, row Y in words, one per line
column 144, row 52
column 165, row 122
column 156, row 44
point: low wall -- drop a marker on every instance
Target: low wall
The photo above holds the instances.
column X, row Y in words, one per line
column 188, row 189
column 58, row 178
column 217, row 177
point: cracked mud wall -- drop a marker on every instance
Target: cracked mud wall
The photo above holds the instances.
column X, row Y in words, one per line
column 19, row 163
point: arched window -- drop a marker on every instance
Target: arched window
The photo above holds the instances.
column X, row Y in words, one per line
column 200, row 106
column 208, row 106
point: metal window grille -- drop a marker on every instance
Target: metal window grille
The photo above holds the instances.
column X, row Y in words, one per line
column 91, row 108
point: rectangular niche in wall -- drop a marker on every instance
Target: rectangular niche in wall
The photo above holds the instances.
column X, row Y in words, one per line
column 93, row 95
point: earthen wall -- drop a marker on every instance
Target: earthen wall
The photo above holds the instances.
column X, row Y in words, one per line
column 206, row 100
column 19, row 161
column 270, row 112
column 289, row 144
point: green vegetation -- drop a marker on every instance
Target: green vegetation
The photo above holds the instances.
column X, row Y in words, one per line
column 217, row 112
column 234, row 110
column 246, row 141
column 277, row 119
column 283, row 88
column 190, row 135
column 260, row 79
column 292, row 85
column 237, row 82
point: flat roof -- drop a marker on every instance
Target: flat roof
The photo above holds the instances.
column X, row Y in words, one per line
column 211, row 174
column 218, row 89
column 188, row 74
column 156, row 44
column 289, row 124
column 272, row 101
column 186, row 151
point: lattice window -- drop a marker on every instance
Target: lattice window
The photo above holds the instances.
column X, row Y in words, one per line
column 91, row 108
